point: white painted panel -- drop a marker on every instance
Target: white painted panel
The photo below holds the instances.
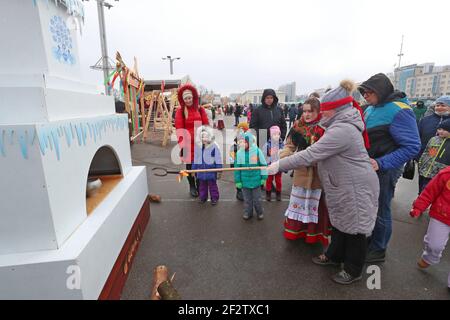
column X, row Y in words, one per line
column 22, row 50
column 40, row 281
column 68, row 104
column 33, row 105
column 101, row 253
column 94, row 247
column 66, row 171
column 22, row 106
column 61, row 37
column 25, row 220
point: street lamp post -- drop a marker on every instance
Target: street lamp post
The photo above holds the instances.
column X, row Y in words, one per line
column 103, row 64
column 171, row 60
column 101, row 20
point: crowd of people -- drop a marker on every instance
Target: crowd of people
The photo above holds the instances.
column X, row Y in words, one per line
column 346, row 162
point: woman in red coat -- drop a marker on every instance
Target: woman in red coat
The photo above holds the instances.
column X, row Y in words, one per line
column 188, row 118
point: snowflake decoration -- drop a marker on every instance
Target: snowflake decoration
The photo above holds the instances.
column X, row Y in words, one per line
column 62, row 51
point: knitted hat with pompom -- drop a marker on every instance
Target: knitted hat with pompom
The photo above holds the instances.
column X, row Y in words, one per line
column 341, row 97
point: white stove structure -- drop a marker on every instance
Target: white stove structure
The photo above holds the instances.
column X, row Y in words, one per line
column 54, row 132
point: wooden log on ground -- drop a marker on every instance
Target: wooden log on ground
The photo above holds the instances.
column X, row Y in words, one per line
column 167, row 291
column 160, row 274
column 155, row 198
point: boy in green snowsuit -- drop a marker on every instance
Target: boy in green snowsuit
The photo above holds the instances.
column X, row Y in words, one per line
column 250, row 181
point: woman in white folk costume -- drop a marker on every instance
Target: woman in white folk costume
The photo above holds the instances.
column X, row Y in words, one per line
column 307, row 214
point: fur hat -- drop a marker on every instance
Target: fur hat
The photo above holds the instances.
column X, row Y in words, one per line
column 204, row 130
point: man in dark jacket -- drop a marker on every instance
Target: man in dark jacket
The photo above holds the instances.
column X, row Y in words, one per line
column 293, row 112
column 419, row 110
column 394, row 140
column 268, row 115
column 237, row 114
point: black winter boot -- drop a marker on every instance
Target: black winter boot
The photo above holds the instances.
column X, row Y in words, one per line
column 278, row 196
column 193, row 190
column 239, row 195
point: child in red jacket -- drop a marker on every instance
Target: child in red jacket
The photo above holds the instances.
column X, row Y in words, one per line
column 436, row 193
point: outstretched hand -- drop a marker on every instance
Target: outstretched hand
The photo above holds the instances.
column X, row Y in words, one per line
column 273, row 168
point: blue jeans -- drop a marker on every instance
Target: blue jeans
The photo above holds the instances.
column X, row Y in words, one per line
column 383, row 226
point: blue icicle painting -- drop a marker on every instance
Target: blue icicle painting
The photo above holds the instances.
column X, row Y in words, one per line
column 51, row 135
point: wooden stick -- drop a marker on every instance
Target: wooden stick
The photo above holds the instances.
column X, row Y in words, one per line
column 224, row 169
column 136, row 136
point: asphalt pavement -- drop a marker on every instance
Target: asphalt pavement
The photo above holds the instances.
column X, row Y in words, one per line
column 217, row 255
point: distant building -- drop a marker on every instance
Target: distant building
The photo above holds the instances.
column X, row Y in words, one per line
column 255, row 96
column 290, row 91
column 302, row 98
column 422, row 81
column 234, row 97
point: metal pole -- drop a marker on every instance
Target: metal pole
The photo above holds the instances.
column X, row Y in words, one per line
column 171, row 66
column 101, row 20
column 400, row 54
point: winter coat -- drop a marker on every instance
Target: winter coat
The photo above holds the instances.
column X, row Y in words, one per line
column 419, row 112
column 185, row 126
column 207, row 157
column 391, row 125
column 238, row 111
column 271, row 153
column 436, row 193
column 351, row 185
column 265, row 116
column 253, row 157
column 305, row 177
column 293, row 112
column 428, row 128
column 435, row 157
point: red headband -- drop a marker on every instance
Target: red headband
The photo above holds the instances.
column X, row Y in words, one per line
column 326, row 106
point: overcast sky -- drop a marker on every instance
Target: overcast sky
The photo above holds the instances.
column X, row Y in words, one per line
column 236, row 45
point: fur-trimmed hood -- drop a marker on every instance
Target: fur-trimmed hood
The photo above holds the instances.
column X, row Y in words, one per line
column 209, row 131
column 194, row 94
